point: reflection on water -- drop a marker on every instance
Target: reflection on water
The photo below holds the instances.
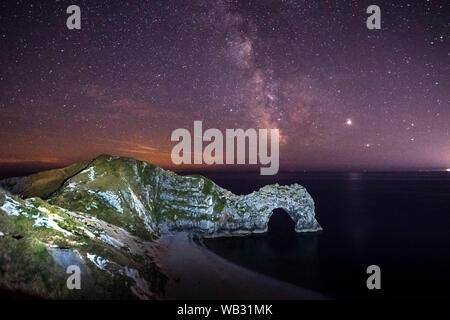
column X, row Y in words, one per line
column 399, row 221
column 278, row 253
column 278, row 256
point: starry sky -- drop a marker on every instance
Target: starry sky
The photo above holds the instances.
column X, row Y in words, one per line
column 342, row 96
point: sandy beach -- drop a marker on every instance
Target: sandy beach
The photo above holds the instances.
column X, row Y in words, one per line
column 197, row 273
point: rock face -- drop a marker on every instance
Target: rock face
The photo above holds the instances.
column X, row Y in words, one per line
column 106, row 215
column 39, row 241
column 223, row 213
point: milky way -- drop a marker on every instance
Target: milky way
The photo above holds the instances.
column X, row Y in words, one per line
column 341, row 95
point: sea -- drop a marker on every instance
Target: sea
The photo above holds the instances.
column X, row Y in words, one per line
column 398, row 221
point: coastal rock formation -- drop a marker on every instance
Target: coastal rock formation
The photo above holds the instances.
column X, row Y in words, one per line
column 106, row 216
column 146, row 199
column 40, row 241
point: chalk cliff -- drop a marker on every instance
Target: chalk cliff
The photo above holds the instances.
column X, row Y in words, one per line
column 105, row 216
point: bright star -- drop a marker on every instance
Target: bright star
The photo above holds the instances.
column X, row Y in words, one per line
column 349, row 122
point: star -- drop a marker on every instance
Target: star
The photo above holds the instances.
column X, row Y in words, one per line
column 221, row 65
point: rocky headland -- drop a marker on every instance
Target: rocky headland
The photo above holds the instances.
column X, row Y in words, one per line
column 107, row 217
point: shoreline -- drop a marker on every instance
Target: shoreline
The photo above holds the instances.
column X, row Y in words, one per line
column 195, row 272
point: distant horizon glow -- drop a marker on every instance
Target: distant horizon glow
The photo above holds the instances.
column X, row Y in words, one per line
column 342, row 96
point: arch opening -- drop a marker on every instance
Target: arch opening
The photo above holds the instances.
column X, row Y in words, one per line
column 281, row 228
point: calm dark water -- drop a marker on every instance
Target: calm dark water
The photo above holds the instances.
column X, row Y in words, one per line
column 398, row 221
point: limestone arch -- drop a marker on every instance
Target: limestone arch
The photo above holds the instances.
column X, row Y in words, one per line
column 281, row 219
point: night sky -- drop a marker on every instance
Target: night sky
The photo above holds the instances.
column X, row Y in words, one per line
column 343, row 96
